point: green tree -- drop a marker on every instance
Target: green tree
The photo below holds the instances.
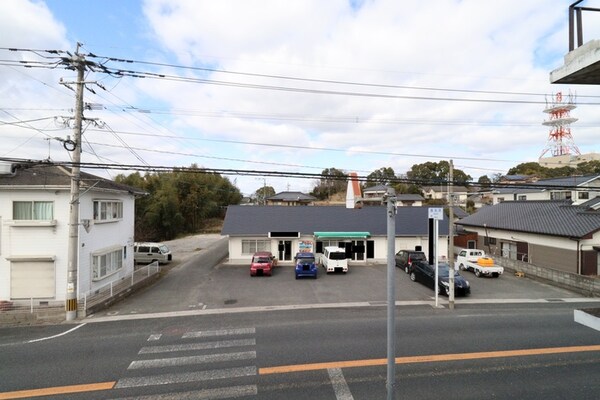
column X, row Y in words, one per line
column 432, row 173
column 382, row 176
column 484, row 181
column 332, row 181
column 263, row 193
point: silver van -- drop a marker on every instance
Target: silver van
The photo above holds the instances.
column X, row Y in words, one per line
column 150, row 252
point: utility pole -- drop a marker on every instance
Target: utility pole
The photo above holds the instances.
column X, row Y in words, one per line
column 451, row 236
column 390, row 197
column 78, row 63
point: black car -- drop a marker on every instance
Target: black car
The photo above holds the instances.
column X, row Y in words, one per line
column 404, row 258
column 425, row 273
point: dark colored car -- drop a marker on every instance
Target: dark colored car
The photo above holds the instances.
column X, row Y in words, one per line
column 306, row 265
column 425, row 273
column 405, row 258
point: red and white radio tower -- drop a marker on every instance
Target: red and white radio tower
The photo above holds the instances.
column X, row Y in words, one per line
column 560, row 141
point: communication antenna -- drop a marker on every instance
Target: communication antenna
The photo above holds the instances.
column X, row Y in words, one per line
column 560, row 141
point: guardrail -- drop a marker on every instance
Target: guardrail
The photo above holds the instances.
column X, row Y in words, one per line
column 576, row 23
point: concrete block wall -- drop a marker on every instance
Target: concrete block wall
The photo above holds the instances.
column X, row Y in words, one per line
column 586, row 285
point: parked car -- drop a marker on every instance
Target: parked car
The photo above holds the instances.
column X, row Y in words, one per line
column 306, row 265
column 424, row 273
column 149, row 252
column 262, row 263
column 404, row 258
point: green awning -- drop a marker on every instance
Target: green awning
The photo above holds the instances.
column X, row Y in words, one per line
column 342, row 235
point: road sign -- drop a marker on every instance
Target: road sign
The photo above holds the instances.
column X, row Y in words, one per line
column 436, row 213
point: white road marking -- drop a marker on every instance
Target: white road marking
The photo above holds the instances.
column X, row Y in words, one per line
column 220, row 332
column 166, row 379
column 204, row 359
column 340, row 387
column 155, row 337
column 55, row 336
column 217, row 393
column 197, row 346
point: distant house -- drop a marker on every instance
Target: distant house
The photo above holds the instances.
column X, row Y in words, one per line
column 440, row 192
column 517, row 179
column 576, row 188
column 554, row 234
column 34, row 232
column 290, row 199
column 402, row 199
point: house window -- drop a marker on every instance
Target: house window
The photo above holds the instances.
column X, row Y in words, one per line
column 489, row 241
column 252, row 246
column 522, row 197
column 583, row 195
column 104, row 264
column 33, row 210
column 108, row 210
column 500, row 199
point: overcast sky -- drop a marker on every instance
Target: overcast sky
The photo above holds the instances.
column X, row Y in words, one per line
column 296, row 85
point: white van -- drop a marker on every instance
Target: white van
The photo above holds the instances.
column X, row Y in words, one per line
column 149, row 252
column 334, row 259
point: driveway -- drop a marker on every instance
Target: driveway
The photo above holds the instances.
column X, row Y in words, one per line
column 200, row 278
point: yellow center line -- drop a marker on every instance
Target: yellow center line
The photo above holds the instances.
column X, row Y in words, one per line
column 423, row 359
column 89, row 387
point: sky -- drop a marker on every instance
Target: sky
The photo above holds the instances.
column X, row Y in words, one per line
column 292, row 87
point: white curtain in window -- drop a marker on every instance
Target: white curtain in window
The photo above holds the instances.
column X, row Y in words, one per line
column 22, row 210
column 42, row 210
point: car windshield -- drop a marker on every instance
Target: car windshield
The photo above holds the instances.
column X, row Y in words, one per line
column 417, row 257
column 262, row 260
column 163, row 249
column 443, row 271
column 337, row 256
column 306, row 260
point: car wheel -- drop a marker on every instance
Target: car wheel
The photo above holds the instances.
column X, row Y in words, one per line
column 413, row 277
column 477, row 273
column 461, row 267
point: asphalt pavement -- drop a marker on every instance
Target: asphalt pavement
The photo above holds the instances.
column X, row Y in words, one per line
column 201, row 280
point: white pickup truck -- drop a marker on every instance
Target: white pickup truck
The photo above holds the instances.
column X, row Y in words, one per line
column 476, row 261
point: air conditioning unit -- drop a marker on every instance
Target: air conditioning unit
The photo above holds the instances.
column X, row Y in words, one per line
column 6, row 169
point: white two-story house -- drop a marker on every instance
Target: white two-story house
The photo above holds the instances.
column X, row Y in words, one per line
column 34, row 232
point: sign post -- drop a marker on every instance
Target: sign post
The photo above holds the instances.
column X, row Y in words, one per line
column 436, row 214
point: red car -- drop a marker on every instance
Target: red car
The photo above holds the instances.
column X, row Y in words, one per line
column 262, row 263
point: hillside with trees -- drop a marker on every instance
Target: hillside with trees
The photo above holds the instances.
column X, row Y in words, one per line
column 179, row 202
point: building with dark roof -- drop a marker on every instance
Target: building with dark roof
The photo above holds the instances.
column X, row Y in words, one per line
column 552, row 234
column 291, row 199
column 362, row 232
column 575, row 188
column 34, row 232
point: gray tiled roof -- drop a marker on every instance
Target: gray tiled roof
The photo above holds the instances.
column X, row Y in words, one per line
column 557, row 218
column 292, row 196
column 409, row 197
column 58, row 177
column 258, row 220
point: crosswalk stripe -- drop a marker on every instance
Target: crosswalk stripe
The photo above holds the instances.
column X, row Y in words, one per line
column 217, row 393
column 340, row 387
column 186, row 377
column 203, row 359
column 197, row 346
column 220, row 332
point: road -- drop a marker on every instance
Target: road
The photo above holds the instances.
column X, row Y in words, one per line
column 208, row 330
column 526, row 352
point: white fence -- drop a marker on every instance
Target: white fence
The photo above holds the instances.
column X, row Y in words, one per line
column 36, row 310
column 116, row 288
